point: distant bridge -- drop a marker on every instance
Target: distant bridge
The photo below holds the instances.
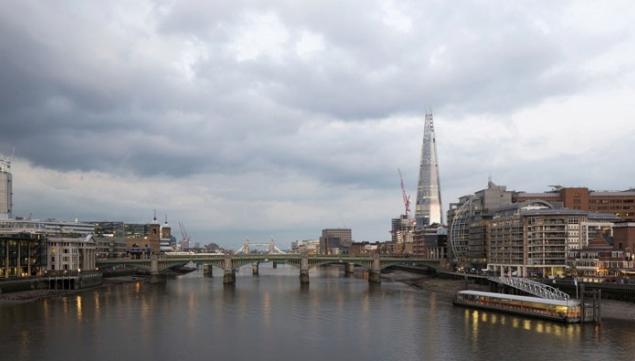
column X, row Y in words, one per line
column 248, row 246
column 230, row 263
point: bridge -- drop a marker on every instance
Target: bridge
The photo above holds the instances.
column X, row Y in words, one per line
column 269, row 246
column 156, row 265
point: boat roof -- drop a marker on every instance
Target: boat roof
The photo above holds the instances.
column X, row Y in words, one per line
column 545, row 301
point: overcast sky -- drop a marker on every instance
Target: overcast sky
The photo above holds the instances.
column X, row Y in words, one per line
column 275, row 119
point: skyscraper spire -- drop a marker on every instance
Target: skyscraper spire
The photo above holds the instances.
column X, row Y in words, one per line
column 428, row 209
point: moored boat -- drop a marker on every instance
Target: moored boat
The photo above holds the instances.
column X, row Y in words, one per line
column 568, row 311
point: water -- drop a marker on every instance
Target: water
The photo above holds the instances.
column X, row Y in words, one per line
column 272, row 318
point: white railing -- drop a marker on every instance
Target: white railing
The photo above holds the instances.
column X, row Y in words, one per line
column 533, row 287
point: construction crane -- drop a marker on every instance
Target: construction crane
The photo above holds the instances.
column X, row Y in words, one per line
column 406, row 196
column 185, row 238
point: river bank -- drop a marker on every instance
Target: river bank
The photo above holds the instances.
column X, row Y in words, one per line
column 27, row 296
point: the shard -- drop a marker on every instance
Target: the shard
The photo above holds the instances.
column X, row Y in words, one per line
column 428, row 210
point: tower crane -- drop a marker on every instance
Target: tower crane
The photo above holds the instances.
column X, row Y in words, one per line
column 406, row 196
column 185, row 238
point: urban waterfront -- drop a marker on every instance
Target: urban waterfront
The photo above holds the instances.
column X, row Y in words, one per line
column 271, row 317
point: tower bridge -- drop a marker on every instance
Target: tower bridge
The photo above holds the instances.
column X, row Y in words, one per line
column 156, row 265
column 248, row 246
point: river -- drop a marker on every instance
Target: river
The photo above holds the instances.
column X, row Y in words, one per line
column 271, row 317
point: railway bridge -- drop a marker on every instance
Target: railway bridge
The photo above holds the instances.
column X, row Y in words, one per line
column 156, row 265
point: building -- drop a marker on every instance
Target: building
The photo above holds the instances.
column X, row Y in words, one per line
column 110, row 239
column 402, row 234
column 467, row 220
column 428, row 206
column 624, row 236
column 308, row 246
column 619, row 203
column 22, row 255
column 598, row 260
column 144, row 239
column 165, row 242
column 430, row 240
column 335, row 241
column 534, row 238
column 70, row 245
column 364, row 249
column 6, row 189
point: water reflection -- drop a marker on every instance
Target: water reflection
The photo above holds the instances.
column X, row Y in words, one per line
column 273, row 317
column 478, row 319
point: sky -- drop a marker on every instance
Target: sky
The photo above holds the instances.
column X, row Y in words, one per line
column 275, row 119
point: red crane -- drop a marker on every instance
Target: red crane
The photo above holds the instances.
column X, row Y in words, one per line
column 406, row 196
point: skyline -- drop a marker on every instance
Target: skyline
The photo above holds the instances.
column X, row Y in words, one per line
column 254, row 121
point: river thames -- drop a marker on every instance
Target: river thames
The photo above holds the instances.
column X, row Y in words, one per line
column 272, row 318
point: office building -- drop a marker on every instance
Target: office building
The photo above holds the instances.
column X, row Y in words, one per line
column 335, row 241
column 428, row 209
column 22, row 255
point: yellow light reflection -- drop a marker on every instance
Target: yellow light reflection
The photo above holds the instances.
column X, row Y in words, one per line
column 78, row 305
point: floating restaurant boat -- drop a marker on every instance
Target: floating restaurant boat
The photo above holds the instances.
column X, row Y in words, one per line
column 568, row 311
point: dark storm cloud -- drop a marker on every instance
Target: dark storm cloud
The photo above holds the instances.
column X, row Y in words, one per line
column 101, row 87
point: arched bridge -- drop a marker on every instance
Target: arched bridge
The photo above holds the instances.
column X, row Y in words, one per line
column 230, row 263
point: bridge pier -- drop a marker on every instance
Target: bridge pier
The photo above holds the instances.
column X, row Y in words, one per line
column 275, row 264
column 208, row 270
column 254, row 269
column 155, row 277
column 349, row 269
column 304, row 270
column 229, row 275
column 374, row 274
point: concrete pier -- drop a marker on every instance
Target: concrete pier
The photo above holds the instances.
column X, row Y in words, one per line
column 304, row 270
column 275, row 264
column 349, row 269
column 229, row 275
column 208, row 270
column 155, row 277
column 374, row 275
column 254, row 269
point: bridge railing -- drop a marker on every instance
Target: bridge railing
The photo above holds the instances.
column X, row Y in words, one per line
column 532, row 287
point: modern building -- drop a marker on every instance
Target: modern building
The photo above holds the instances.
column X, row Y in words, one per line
column 6, row 189
column 467, row 233
column 335, row 241
column 22, row 255
column 619, row 203
column 428, row 209
column 533, row 238
column 70, row 245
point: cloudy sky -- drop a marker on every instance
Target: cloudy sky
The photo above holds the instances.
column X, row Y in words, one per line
column 261, row 119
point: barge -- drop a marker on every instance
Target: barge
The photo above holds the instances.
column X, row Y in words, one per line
column 568, row 311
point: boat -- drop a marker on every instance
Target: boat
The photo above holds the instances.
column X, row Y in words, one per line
column 568, row 311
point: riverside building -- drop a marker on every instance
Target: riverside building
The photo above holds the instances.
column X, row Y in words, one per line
column 533, row 238
column 22, row 255
column 70, row 245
